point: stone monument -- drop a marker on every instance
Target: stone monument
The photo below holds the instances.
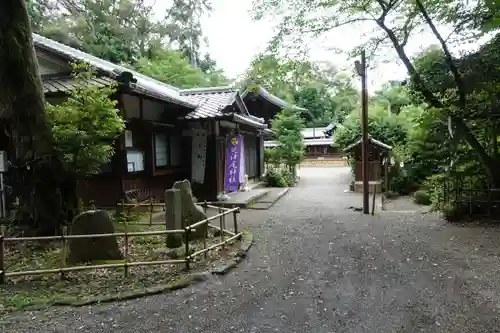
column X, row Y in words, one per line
column 82, row 250
column 190, row 211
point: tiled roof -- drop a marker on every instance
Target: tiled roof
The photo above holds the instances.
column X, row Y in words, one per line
column 158, row 89
column 313, row 132
column 307, row 142
column 371, row 140
column 261, row 91
column 210, row 101
column 66, row 83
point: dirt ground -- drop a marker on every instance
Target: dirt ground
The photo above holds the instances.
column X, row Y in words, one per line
column 319, row 267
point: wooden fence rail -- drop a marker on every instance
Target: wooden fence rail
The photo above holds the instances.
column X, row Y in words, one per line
column 151, row 205
column 235, row 235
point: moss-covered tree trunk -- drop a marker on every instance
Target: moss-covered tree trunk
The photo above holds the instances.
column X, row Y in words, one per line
column 35, row 166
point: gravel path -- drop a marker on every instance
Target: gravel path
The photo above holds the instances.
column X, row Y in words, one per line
column 318, row 267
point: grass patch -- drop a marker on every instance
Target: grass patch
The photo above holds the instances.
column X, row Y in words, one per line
column 40, row 291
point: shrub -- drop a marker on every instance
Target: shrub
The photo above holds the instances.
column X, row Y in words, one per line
column 275, row 178
column 421, row 197
column 391, row 194
column 433, row 186
column 401, row 183
column 288, row 176
column 450, row 211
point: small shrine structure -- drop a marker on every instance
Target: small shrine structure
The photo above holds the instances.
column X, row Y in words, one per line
column 378, row 156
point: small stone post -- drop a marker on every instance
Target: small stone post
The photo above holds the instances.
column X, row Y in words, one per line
column 173, row 217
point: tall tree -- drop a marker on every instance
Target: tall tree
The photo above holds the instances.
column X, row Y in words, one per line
column 321, row 88
column 280, row 76
column 396, row 21
column 184, row 28
column 116, row 30
column 125, row 30
column 34, row 162
column 173, row 68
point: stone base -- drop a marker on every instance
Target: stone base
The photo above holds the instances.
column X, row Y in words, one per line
column 377, row 185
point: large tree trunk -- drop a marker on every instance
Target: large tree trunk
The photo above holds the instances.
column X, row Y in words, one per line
column 34, row 164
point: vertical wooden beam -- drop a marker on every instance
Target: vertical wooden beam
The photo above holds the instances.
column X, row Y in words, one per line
column 361, row 70
column 121, row 155
column 141, row 108
column 261, row 154
column 152, row 153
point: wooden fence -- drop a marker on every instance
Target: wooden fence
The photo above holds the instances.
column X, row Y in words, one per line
column 185, row 232
column 474, row 202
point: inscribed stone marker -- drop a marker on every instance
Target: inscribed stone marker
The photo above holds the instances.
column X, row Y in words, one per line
column 173, row 217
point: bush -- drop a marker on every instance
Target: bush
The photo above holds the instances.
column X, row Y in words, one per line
column 391, row 194
column 433, row 186
column 288, row 176
column 450, row 211
column 401, row 183
column 421, row 197
column 275, row 178
column 279, row 178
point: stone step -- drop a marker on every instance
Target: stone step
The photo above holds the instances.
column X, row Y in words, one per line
column 268, row 200
column 243, row 199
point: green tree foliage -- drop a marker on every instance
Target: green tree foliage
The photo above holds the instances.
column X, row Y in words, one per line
column 86, row 125
column 395, row 23
column 392, row 95
column 326, row 93
column 318, row 101
column 173, row 68
column 124, row 31
column 491, row 15
column 280, row 76
column 183, row 21
column 391, row 130
column 288, row 127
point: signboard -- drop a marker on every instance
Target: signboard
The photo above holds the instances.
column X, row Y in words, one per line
column 198, row 157
column 233, row 163
column 128, row 139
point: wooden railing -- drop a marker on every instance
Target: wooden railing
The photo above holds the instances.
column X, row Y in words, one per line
column 185, row 232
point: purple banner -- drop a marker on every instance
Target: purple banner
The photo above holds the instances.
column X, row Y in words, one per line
column 233, row 163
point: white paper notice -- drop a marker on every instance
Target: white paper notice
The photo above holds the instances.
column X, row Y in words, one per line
column 198, row 157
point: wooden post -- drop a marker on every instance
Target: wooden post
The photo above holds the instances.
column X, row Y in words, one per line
column 235, row 220
column 120, row 207
column 489, row 200
column 2, row 247
column 373, row 199
column 63, row 252
column 221, row 223
column 126, row 250
column 386, row 171
column 205, row 208
column 151, row 211
column 470, row 198
column 379, row 175
column 173, row 217
column 186, row 239
column 361, row 70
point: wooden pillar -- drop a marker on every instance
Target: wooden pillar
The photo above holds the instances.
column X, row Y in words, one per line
column 120, row 157
column 210, row 183
column 386, row 171
column 261, row 154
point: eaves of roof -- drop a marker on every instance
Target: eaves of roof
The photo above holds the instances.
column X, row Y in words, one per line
column 143, row 83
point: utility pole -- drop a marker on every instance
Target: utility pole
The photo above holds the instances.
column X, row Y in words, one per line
column 361, row 70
